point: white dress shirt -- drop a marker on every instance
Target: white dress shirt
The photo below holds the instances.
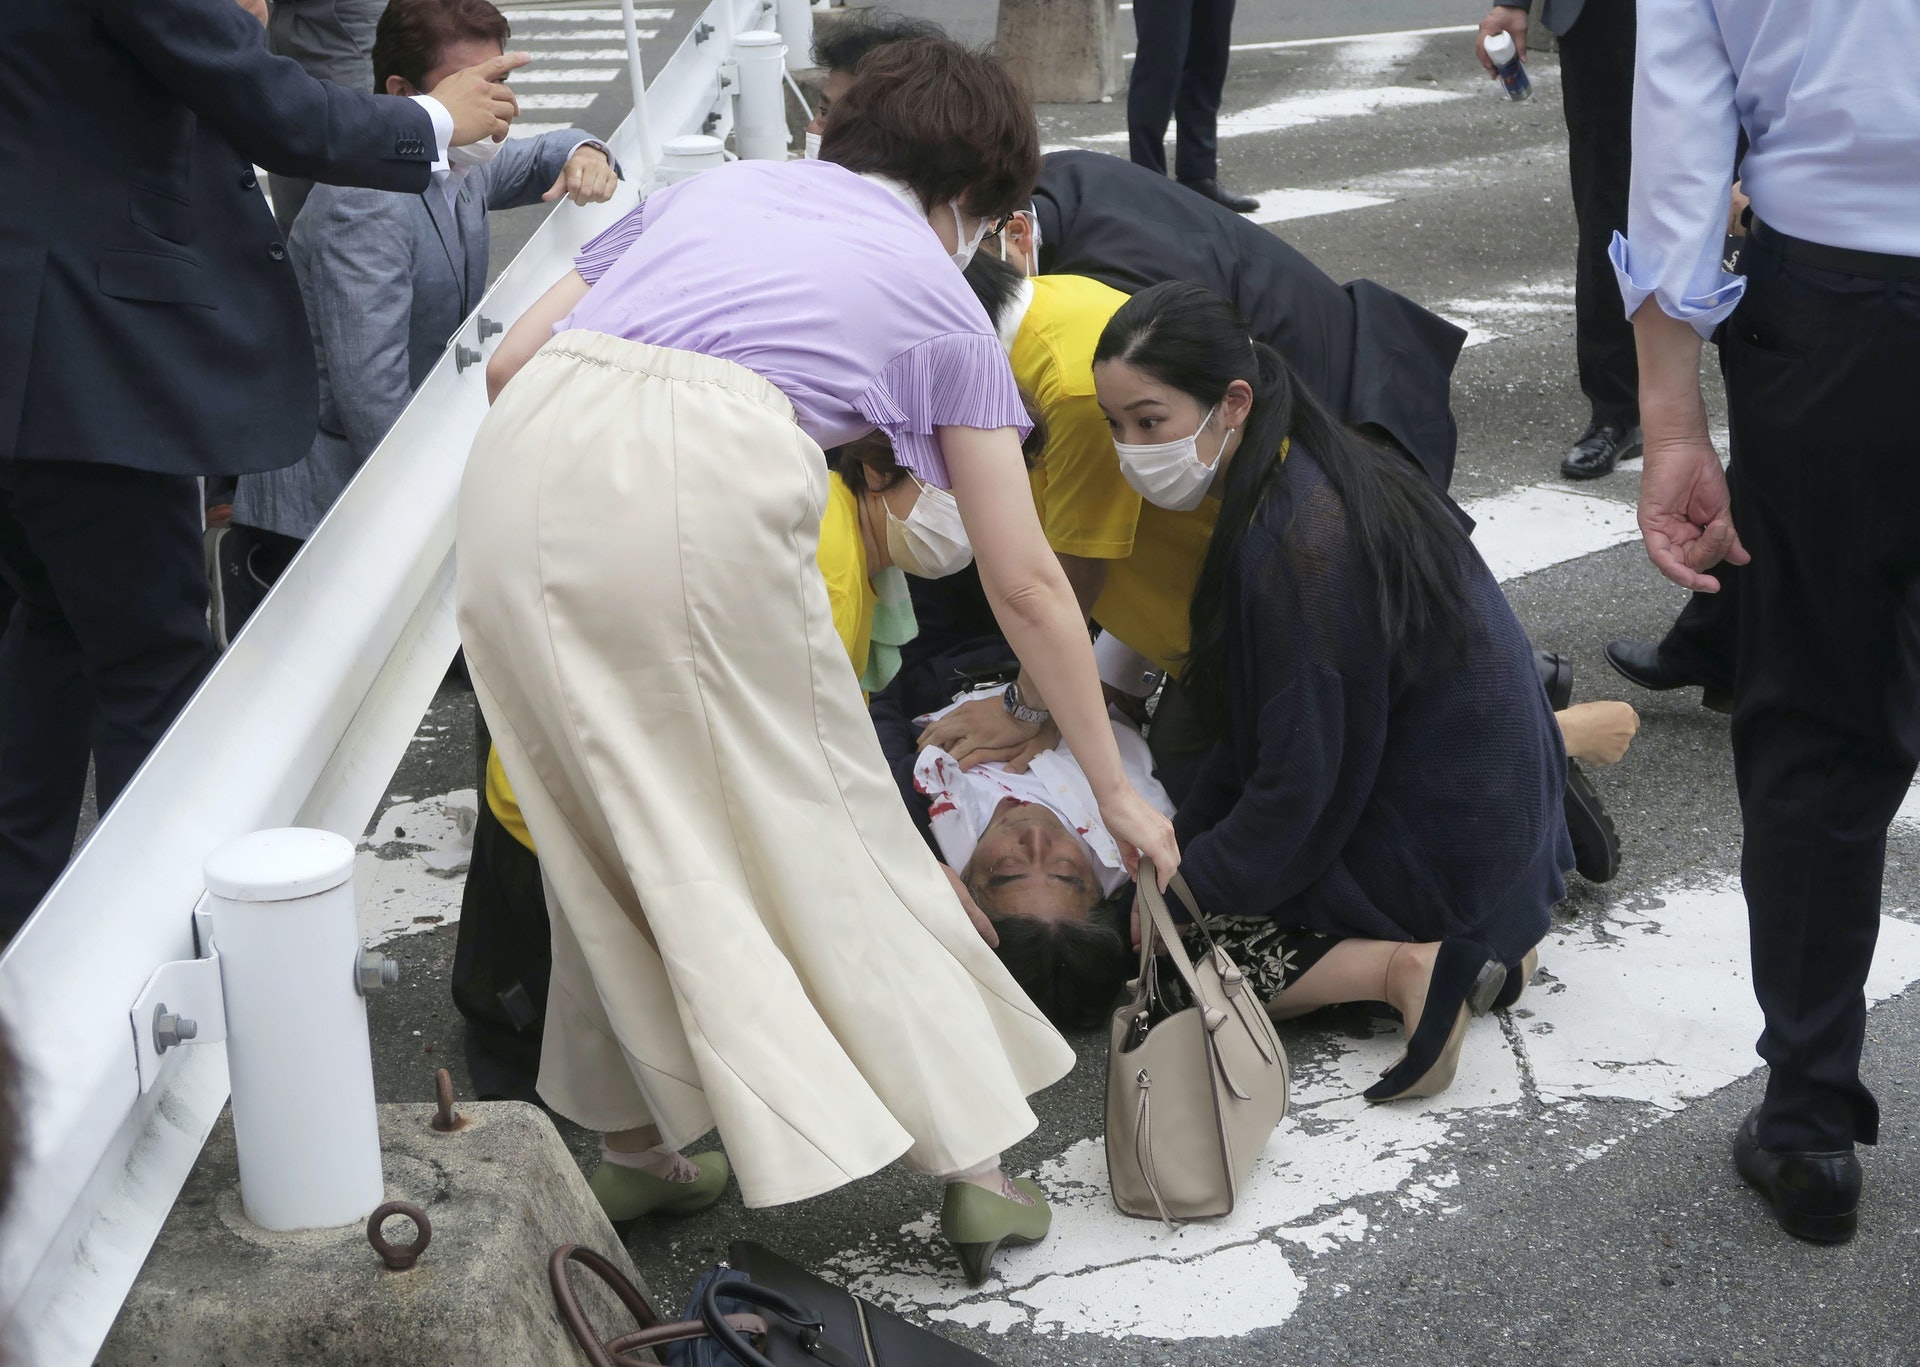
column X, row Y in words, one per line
column 964, row 800
column 1829, row 94
column 442, row 127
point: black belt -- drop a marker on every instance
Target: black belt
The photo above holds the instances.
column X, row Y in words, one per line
column 1846, row 260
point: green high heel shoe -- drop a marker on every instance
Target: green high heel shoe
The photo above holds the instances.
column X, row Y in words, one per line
column 977, row 1222
column 626, row 1194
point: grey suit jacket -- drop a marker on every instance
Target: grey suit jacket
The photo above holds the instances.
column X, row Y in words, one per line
column 387, row 278
column 1557, row 15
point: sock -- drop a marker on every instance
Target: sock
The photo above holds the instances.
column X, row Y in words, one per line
column 659, row 1161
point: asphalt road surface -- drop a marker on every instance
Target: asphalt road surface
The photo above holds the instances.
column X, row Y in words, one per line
column 1570, row 1200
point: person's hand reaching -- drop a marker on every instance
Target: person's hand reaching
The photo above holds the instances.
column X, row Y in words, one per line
column 982, row 731
column 478, row 99
column 257, row 8
column 1138, row 828
column 587, row 178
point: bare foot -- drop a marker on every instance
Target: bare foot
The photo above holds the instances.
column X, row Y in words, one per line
column 1598, row 732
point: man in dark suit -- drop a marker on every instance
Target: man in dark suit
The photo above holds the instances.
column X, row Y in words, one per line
column 1378, row 360
column 1180, row 74
column 1596, row 85
column 151, row 331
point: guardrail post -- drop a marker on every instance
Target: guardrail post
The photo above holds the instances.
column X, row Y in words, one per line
column 794, row 19
column 760, row 125
column 301, row 1064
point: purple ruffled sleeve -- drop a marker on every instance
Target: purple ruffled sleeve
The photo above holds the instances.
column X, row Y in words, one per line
column 960, row 379
column 597, row 257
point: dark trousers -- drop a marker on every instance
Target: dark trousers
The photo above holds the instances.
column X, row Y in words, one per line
column 1596, row 82
column 1179, row 72
column 502, row 961
column 1826, row 725
column 1704, row 639
column 106, row 644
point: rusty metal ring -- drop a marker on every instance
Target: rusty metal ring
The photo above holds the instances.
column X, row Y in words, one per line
column 445, row 1119
column 399, row 1258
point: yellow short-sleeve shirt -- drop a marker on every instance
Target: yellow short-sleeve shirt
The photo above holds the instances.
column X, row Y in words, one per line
column 1086, row 506
column 842, row 558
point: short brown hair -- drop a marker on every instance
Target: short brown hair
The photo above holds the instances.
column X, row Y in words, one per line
column 412, row 34
column 949, row 121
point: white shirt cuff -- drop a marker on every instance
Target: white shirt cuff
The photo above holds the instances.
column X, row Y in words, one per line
column 595, row 142
column 1704, row 311
column 442, row 126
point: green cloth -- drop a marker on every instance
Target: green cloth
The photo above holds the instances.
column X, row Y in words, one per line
column 893, row 627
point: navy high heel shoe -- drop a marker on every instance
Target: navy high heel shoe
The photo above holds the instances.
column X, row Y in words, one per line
column 1466, row 980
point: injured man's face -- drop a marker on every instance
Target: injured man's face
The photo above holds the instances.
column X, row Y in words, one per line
column 1027, row 863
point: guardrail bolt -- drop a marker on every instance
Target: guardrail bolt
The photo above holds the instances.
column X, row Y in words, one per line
column 375, row 971
column 170, row 1029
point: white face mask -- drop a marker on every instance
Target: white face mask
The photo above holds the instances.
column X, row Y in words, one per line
column 1170, row 474
column 813, row 147
column 931, row 543
column 968, row 245
column 475, row 153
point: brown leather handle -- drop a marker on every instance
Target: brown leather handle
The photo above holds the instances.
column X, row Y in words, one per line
column 680, row 1331
column 598, row 1354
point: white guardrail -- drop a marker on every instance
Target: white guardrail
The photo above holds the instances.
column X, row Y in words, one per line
column 302, row 723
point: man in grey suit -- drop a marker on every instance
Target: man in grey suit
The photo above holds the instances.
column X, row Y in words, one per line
column 387, row 278
column 1596, row 86
column 332, row 40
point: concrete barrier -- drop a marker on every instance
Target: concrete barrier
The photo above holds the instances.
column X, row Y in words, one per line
column 1067, row 51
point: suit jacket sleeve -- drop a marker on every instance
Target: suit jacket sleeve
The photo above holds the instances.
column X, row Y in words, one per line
column 525, row 168
column 212, row 56
column 361, row 295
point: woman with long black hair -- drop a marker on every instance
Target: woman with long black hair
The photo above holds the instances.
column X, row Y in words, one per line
column 1380, row 816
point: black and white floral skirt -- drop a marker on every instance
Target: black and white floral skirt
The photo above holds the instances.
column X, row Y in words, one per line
column 1273, row 956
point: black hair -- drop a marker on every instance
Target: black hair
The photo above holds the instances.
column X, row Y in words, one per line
column 875, row 452
column 840, row 47
column 995, row 283
column 1404, row 540
column 1072, row 970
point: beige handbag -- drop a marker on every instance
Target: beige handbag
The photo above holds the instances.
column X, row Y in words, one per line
column 1193, row 1094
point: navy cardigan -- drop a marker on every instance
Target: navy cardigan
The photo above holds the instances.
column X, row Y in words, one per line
column 1360, row 794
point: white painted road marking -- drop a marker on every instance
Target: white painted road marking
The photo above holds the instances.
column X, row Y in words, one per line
column 566, row 75
column 557, row 101
column 1300, row 111
column 1536, row 526
column 585, row 16
column 585, row 54
column 1650, row 1008
column 581, row 35
column 1282, row 206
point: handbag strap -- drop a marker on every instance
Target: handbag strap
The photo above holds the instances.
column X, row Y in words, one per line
column 811, row 1338
column 1159, row 924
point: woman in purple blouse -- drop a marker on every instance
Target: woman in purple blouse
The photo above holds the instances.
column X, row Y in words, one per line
column 747, row 930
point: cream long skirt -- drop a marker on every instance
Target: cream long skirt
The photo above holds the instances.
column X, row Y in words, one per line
column 747, row 930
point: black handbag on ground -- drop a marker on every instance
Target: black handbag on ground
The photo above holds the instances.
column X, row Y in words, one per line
column 755, row 1310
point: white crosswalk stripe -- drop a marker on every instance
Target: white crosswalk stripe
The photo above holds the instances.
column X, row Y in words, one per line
column 1298, row 111
column 576, row 75
column 537, row 101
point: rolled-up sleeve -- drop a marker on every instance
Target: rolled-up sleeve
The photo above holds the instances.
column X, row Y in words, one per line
column 1685, row 127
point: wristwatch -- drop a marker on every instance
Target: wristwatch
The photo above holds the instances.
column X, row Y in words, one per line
column 1019, row 711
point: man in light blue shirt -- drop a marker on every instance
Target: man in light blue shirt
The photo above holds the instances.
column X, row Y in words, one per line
column 1820, row 344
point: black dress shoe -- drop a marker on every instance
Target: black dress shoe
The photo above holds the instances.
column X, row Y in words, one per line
column 1219, row 194
column 1815, row 1196
column 1596, row 845
column 1556, row 676
column 1601, row 447
column 1640, row 663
